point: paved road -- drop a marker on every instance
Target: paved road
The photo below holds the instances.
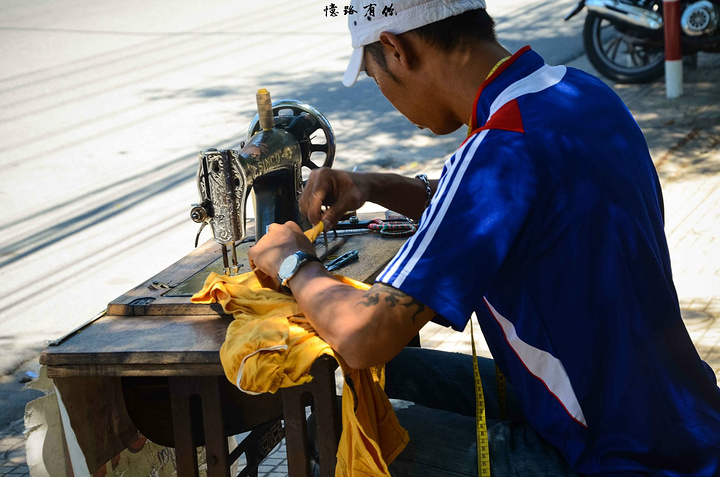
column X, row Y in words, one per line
column 104, row 106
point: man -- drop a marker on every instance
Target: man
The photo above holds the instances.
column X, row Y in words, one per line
column 547, row 224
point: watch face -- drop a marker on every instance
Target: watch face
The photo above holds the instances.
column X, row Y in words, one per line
column 288, row 267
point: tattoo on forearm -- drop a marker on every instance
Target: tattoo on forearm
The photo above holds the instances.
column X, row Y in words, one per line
column 392, row 298
column 370, row 300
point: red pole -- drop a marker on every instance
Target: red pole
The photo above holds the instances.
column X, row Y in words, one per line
column 673, row 49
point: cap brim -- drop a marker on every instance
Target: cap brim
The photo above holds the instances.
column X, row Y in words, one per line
column 354, row 68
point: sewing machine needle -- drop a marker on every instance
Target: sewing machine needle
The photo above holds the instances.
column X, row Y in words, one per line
column 226, row 265
column 234, row 259
column 325, row 239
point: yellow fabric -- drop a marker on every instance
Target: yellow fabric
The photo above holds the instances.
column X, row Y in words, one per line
column 372, row 436
column 271, row 345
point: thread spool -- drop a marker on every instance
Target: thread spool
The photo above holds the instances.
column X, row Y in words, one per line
column 265, row 112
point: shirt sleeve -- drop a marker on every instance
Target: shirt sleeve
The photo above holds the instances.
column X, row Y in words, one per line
column 484, row 197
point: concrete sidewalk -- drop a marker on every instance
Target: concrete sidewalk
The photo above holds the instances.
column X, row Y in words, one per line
column 684, row 139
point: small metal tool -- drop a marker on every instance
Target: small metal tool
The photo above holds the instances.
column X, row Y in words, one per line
column 349, row 232
column 342, row 260
column 352, row 223
column 157, row 285
column 324, row 232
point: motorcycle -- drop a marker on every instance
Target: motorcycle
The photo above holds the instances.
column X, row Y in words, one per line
column 624, row 40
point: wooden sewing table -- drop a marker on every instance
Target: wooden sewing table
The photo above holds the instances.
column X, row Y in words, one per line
column 151, row 363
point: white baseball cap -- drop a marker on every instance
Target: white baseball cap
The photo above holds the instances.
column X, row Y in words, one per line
column 368, row 18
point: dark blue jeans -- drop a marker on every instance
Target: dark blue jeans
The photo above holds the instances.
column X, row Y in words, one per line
column 433, row 395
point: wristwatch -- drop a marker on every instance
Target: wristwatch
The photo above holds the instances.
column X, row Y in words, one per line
column 292, row 264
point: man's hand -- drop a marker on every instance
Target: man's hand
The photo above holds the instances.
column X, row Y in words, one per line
column 341, row 191
column 279, row 242
column 347, row 191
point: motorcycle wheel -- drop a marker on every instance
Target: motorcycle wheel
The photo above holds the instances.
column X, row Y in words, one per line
column 621, row 53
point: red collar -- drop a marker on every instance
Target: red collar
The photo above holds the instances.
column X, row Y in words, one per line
column 490, row 79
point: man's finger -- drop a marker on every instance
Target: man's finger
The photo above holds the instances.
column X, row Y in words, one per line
column 314, row 207
column 332, row 216
column 294, row 226
column 265, row 280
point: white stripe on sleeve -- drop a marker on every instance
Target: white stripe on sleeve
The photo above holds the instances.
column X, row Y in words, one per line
column 543, row 366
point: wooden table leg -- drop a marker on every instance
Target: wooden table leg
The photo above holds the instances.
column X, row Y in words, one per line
column 193, row 396
column 216, row 444
column 296, row 438
column 320, row 393
column 185, row 453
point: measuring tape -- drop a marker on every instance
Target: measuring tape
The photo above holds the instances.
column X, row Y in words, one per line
column 483, row 445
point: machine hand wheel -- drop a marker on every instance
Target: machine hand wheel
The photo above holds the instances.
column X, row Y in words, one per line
column 285, row 112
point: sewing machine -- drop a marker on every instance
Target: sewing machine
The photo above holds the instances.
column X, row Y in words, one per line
column 279, row 144
column 153, row 355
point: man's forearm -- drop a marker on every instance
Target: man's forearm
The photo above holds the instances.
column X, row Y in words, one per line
column 365, row 327
column 406, row 195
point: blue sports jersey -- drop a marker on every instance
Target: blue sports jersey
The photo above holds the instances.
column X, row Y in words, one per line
column 548, row 224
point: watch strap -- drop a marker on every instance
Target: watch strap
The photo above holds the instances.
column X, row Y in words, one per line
column 303, row 259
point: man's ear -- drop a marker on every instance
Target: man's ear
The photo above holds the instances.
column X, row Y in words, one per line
column 398, row 48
